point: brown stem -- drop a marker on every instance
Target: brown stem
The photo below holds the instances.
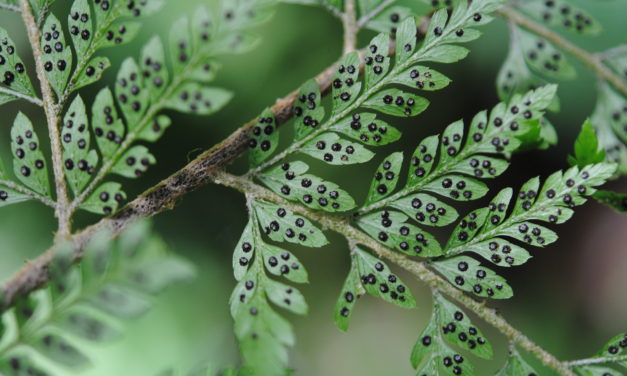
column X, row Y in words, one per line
column 52, row 117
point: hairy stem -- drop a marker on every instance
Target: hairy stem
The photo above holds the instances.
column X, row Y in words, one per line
column 418, row 269
column 592, row 61
column 52, row 116
column 600, row 360
column 33, row 100
column 349, row 22
column 20, row 189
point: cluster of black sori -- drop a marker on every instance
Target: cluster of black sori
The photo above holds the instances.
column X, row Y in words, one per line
column 564, row 13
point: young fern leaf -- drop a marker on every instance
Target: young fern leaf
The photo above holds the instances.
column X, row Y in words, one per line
column 445, row 169
column 587, row 150
column 81, row 302
column 262, row 334
column 485, row 231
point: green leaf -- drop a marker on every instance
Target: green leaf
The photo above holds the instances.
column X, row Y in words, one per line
column 366, row 128
column 614, row 347
column 377, row 64
column 60, row 350
column 57, row 58
column 514, row 75
column 244, row 251
column 130, row 92
column 134, row 162
column 81, row 28
column 467, row 228
column 544, row 58
column 433, row 357
column 154, row 131
column 283, row 263
column 457, row 187
column 351, row 291
column 329, row 147
column 516, row 366
column 281, row 224
column 105, row 199
column 118, row 34
column 467, row 274
column 607, row 119
column 286, row 297
column 290, row 181
column 423, row 78
column 308, row 110
column 426, row 209
column 29, row 163
column 405, row 39
column 106, row 124
column 397, row 103
column 264, row 138
column 459, row 330
column 198, row 99
column 587, row 149
column 391, row 229
column 13, row 73
column 378, row 280
column 386, row 178
column 120, row 302
column 346, row 87
column 84, row 325
column 563, row 14
column 153, row 67
column 92, row 72
column 79, row 160
column 19, row 365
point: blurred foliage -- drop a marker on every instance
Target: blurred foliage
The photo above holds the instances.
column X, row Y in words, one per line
column 191, row 325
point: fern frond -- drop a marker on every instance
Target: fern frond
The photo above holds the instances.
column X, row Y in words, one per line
column 450, row 168
column 82, row 304
column 263, row 335
column 485, row 231
column 317, row 136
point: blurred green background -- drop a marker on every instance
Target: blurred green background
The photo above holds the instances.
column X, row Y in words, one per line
column 569, row 298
